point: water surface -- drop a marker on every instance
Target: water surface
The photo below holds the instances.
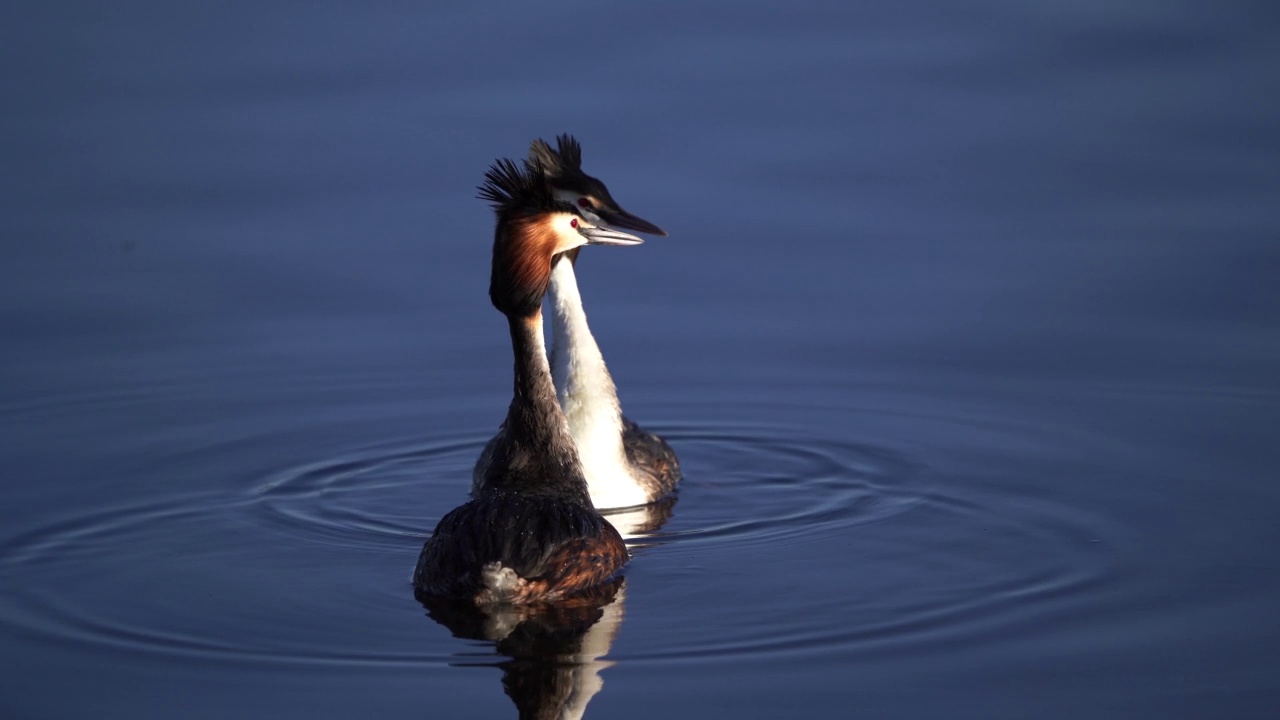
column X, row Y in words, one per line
column 966, row 334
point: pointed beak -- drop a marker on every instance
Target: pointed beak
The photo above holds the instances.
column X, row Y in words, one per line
column 623, row 219
column 608, row 236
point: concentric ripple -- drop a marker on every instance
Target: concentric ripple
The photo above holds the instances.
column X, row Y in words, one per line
column 820, row 543
column 763, row 485
column 360, row 499
column 766, row 486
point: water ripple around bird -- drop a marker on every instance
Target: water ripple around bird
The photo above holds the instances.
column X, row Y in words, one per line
column 934, row 547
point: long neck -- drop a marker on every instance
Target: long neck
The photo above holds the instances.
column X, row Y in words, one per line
column 577, row 363
column 584, row 386
column 589, row 399
column 538, row 453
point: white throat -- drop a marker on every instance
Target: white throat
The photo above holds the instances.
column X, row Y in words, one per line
column 588, row 397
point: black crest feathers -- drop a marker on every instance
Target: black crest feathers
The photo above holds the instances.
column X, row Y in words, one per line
column 570, row 150
column 565, row 160
column 509, row 187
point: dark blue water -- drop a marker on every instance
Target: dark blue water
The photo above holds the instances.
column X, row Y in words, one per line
column 967, row 333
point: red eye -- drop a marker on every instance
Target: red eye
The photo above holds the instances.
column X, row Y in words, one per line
column 573, row 222
column 582, row 202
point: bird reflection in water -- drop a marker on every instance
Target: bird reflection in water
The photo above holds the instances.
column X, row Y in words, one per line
column 553, row 651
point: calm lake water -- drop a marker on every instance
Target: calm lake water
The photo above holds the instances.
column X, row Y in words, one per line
column 966, row 332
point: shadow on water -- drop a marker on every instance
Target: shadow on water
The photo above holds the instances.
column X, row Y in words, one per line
column 638, row 524
column 554, row 652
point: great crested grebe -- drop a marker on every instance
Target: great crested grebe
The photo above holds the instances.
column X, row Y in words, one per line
column 624, row 465
column 530, row 533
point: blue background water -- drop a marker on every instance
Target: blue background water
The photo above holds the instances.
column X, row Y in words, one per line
column 966, row 332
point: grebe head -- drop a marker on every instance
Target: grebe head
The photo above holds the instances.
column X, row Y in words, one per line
column 563, row 169
column 534, row 226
